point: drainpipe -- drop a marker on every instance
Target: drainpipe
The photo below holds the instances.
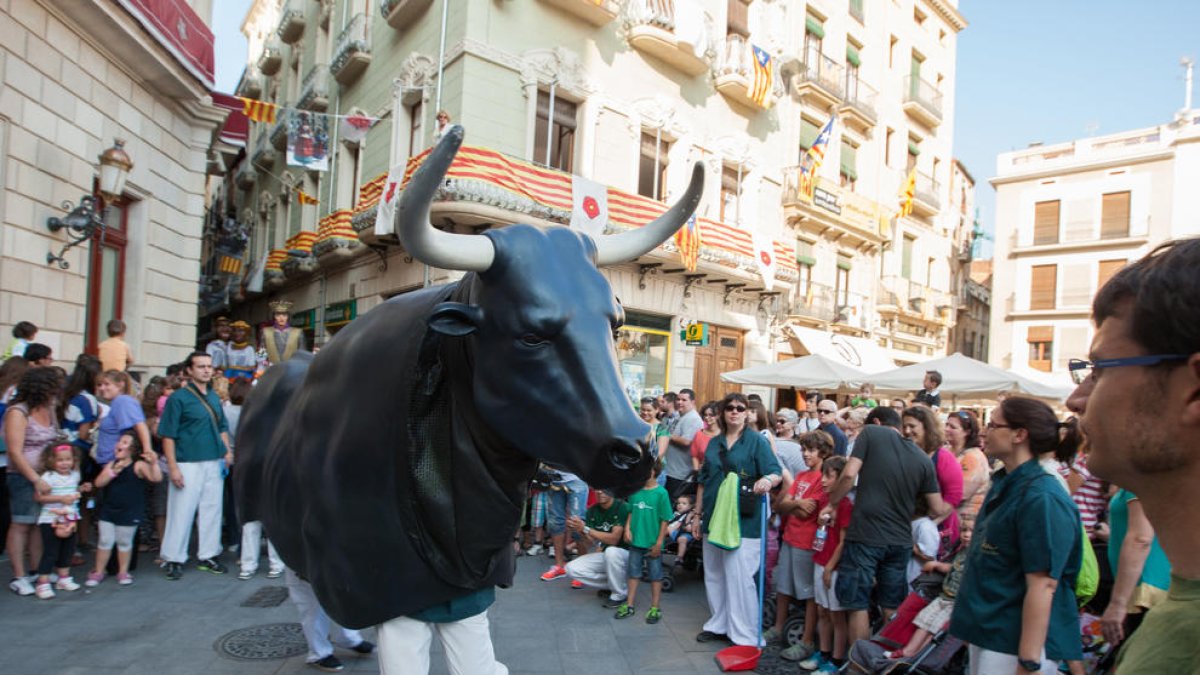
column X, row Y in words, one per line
column 441, row 57
column 550, row 120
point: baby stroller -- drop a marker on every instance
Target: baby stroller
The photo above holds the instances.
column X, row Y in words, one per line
column 693, row 560
column 943, row 655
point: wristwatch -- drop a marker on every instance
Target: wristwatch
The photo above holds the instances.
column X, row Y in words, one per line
column 1031, row 666
column 587, row 530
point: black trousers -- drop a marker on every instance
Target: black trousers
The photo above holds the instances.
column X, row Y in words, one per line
column 56, row 552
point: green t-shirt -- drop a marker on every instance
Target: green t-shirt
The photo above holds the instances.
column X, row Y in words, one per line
column 648, row 510
column 1166, row 640
column 604, row 520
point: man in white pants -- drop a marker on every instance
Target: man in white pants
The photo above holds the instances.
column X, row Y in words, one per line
column 607, row 569
column 316, row 625
column 461, row 625
column 195, row 438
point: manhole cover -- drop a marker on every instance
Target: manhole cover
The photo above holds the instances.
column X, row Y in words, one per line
column 269, row 641
column 267, row 596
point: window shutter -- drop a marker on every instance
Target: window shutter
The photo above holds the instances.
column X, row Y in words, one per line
column 913, row 148
column 738, row 19
column 808, row 133
column 804, row 253
column 849, row 161
column 1107, row 269
column 564, row 110
column 1045, row 222
column 852, row 56
column 1042, row 289
column 729, row 175
column 1041, row 334
column 843, row 262
column 813, row 26
column 1077, row 285
column 648, row 143
column 1114, row 216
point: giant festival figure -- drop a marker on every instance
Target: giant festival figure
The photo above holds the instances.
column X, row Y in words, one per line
column 390, row 470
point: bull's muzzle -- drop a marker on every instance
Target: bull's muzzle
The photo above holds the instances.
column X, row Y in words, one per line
column 625, row 455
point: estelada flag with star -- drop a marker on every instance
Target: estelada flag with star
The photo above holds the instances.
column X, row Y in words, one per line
column 385, row 213
column 259, row 111
column 810, row 164
column 907, row 191
column 764, row 73
column 764, row 258
column 688, row 241
column 589, row 211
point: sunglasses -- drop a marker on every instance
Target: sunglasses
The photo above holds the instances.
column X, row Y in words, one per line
column 992, row 425
column 735, row 408
column 826, row 412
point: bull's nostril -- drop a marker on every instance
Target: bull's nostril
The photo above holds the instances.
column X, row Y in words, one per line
column 624, row 455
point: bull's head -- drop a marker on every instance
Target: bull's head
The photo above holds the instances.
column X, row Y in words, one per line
column 542, row 319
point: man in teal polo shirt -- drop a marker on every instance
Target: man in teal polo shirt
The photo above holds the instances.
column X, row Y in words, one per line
column 195, row 439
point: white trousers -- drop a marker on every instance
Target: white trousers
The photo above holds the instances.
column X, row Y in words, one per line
column 732, row 594
column 199, row 500
column 605, row 569
column 315, row 622
column 252, row 548
column 987, row 662
column 404, row 646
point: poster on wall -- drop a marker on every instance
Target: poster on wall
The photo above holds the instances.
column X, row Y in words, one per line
column 308, row 140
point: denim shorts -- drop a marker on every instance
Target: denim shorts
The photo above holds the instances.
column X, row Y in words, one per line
column 862, row 565
column 654, row 570
column 22, row 505
column 569, row 501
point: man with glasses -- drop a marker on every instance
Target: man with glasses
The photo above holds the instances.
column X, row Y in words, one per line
column 679, row 450
column 827, row 418
column 1138, row 401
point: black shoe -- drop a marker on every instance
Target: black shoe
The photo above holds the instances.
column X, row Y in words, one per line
column 329, row 664
column 174, row 571
column 612, row 604
column 709, row 636
column 211, row 565
column 364, row 647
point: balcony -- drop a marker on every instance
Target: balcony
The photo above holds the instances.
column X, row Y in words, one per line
column 246, row 176
column 914, row 301
column 264, row 155
column 821, row 82
column 270, row 59
column 927, row 199
column 814, row 305
column 401, row 14
column 922, row 101
column 353, row 52
column 595, row 12
column 735, row 76
column 858, row 108
column 250, row 86
column 314, row 93
column 291, row 22
column 279, row 132
column 832, row 210
column 652, row 29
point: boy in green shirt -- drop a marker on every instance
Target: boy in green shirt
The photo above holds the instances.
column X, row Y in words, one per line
column 645, row 528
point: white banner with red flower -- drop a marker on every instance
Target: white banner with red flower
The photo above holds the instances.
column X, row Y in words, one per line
column 590, row 206
column 387, row 202
column 764, row 258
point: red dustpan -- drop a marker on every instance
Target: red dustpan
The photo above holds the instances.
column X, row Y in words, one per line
column 742, row 657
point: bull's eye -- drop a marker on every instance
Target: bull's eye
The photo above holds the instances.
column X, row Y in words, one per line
column 533, row 340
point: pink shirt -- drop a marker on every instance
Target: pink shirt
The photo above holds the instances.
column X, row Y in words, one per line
column 950, row 480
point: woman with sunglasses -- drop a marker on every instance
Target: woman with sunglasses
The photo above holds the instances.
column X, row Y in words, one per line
column 962, row 435
column 1016, row 605
column 729, row 574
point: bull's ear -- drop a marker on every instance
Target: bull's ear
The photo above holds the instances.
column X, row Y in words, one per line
column 455, row 318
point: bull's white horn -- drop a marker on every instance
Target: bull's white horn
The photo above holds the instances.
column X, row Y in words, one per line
column 465, row 252
column 619, row 248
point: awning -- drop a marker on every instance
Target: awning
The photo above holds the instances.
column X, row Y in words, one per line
column 855, row 352
column 807, row 372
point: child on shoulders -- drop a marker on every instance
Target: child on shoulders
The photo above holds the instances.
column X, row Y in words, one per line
column 645, row 529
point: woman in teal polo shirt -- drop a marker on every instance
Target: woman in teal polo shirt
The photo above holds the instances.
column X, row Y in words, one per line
column 1016, row 606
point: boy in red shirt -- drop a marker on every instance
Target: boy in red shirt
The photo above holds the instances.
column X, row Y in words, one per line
column 793, row 575
column 832, row 620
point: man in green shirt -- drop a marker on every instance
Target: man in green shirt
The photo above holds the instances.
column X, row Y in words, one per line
column 195, row 438
column 1138, row 401
column 604, row 569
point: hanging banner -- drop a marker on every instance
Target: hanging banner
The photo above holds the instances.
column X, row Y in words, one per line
column 254, row 283
column 589, row 212
column 308, row 140
column 688, row 241
column 353, row 129
column 764, row 258
column 386, row 212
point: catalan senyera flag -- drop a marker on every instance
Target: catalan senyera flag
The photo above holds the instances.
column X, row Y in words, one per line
column 688, row 241
column 305, row 198
column 259, row 111
column 907, row 191
column 229, row 264
column 764, row 73
column 810, row 164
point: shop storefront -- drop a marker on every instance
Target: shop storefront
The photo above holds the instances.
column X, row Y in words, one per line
column 337, row 316
column 644, row 354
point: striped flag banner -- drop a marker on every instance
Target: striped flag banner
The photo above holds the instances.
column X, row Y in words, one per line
column 688, row 241
column 305, row 198
column 230, row 264
column 259, row 111
column 764, row 73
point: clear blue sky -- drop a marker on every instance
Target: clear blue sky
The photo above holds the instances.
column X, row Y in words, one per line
column 1028, row 70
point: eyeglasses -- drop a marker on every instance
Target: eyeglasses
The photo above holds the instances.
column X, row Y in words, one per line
column 1081, row 370
column 735, row 408
column 992, row 425
column 825, row 412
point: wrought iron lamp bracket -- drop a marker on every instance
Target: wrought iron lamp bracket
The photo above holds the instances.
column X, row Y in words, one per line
column 82, row 222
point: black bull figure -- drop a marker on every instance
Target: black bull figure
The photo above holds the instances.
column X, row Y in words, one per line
column 390, row 471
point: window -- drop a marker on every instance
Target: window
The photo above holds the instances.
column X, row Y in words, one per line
column 1045, row 222
column 1114, row 215
column 919, row 18
column 737, row 21
column 887, row 147
column 106, row 278
column 853, row 61
column 856, row 10
column 848, row 170
column 561, row 153
column 914, row 149
column 914, row 75
column 731, row 191
column 1041, row 347
column 416, row 122
column 1072, row 344
column 809, row 131
column 1043, row 287
column 841, row 286
column 906, row 256
column 1076, row 285
column 348, row 170
column 814, row 37
column 892, row 52
column 1107, row 269
column 652, row 168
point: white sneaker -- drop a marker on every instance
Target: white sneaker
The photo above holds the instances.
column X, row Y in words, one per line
column 66, row 584
column 534, row 550
column 274, row 574
column 44, row 592
column 21, row 586
column 246, row 575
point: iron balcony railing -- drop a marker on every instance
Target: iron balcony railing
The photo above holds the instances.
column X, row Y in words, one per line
column 861, row 96
column 314, row 93
column 924, row 94
column 825, row 73
column 737, row 58
column 354, row 39
column 928, row 190
column 659, row 13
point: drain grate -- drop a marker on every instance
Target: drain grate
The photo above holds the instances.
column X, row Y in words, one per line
column 269, row 641
column 267, row 596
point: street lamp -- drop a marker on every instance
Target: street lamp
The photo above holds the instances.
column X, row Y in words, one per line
column 82, row 222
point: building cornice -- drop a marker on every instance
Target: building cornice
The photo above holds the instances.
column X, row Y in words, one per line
column 1070, row 169
column 949, row 14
